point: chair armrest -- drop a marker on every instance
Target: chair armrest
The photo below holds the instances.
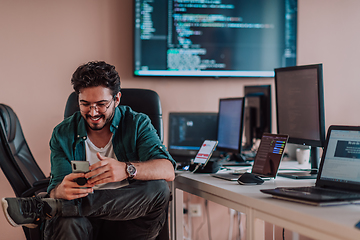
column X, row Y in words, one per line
column 38, row 186
column 41, row 182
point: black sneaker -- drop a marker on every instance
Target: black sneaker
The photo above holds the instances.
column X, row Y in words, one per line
column 28, row 212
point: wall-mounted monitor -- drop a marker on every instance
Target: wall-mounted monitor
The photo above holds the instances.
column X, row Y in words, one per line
column 214, row 38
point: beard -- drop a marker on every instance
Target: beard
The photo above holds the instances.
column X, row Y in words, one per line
column 96, row 126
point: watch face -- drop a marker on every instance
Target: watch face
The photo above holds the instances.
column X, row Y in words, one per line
column 131, row 170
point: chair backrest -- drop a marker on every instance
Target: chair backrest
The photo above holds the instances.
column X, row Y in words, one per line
column 16, row 159
column 140, row 100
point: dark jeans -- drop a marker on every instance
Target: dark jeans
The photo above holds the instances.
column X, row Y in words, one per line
column 136, row 211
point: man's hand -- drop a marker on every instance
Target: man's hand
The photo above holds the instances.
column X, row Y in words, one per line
column 68, row 189
column 106, row 170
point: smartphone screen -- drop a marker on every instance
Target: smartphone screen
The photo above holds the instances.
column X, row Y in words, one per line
column 205, row 152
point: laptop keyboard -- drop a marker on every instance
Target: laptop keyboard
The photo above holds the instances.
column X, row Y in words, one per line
column 322, row 191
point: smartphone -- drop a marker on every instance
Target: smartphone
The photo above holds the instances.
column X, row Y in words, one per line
column 80, row 167
column 205, row 152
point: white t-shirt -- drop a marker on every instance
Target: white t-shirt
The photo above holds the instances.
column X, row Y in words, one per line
column 107, row 151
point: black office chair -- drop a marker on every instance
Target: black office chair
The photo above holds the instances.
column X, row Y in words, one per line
column 140, row 100
column 18, row 164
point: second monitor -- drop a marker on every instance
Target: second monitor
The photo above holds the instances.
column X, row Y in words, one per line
column 230, row 127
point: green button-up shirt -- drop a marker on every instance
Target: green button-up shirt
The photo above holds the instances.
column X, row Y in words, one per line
column 134, row 139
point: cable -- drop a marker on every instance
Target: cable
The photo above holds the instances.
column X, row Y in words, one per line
column 231, row 213
column 189, row 218
column 186, row 227
column 239, row 224
column 200, row 226
column 198, row 229
column 196, row 168
column 273, row 231
column 283, row 234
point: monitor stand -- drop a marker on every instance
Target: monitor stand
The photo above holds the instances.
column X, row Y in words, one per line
column 236, row 160
column 311, row 174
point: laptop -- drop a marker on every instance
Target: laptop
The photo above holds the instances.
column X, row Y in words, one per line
column 338, row 180
column 267, row 159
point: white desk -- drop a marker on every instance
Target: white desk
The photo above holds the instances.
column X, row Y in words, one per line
column 314, row 222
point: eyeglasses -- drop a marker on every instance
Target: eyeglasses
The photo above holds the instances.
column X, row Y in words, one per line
column 99, row 107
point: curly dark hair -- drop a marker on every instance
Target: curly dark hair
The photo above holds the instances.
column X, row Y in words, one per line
column 96, row 73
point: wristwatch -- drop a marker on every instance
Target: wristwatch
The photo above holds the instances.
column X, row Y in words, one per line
column 131, row 170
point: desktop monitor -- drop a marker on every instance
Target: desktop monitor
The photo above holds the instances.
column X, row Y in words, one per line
column 230, row 126
column 187, row 131
column 257, row 115
column 300, row 109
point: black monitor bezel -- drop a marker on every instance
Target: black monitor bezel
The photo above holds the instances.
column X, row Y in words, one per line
column 321, row 106
column 226, row 149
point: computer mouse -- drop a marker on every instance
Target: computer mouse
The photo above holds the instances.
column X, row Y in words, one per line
column 250, row 178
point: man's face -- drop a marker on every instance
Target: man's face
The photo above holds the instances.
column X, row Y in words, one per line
column 97, row 106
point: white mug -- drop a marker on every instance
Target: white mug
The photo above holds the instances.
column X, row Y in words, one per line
column 302, row 155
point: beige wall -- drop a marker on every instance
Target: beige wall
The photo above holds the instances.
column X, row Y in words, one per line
column 42, row 42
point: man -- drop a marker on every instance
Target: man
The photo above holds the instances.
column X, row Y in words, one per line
column 122, row 147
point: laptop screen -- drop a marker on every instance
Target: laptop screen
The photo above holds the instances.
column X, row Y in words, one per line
column 269, row 154
column 341, row 161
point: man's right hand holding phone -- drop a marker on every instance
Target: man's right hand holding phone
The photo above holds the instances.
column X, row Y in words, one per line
column 69, row 189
